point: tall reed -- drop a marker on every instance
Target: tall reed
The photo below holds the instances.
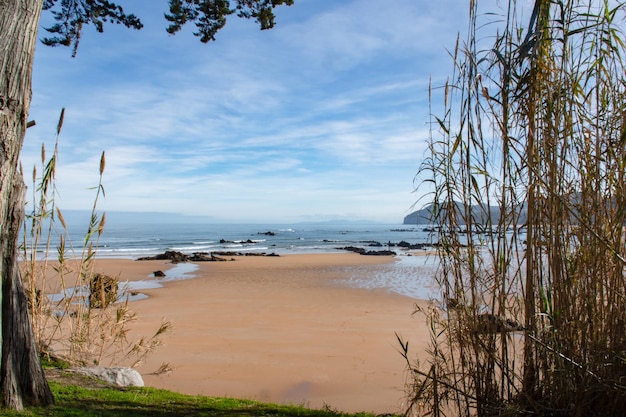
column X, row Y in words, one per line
column 528, row 166
column 76, row 325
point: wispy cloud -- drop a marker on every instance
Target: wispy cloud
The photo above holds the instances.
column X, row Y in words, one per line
column 323, row 116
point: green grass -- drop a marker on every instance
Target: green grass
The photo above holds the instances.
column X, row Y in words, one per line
column 138, row 402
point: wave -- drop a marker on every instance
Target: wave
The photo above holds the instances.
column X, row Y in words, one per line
column 196, row 248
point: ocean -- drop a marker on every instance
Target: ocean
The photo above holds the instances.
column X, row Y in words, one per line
column 131, row 241
column 409, row 275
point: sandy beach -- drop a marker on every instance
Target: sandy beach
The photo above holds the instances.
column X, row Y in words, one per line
column 283, row 329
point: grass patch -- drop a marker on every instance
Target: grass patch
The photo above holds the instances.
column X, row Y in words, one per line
column 74, row 400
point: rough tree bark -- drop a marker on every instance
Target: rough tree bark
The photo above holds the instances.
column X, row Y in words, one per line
column 22, row 381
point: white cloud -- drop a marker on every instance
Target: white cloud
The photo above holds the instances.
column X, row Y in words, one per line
column 324, row 115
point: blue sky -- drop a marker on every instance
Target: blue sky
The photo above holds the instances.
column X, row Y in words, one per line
column 323, row 117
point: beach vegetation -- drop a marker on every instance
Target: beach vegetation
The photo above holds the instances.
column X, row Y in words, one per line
column 22, row 381
column 530, row 317
column 79, row 316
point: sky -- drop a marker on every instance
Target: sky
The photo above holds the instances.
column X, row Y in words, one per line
column 325, row 117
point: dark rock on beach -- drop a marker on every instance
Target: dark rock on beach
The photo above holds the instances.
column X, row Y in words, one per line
column 173, row 256
column 226, row 253
column 177, row 257
column 205, row 257
column 402, row 245
column 489, row 323
column 362, row 251
column 379, row 253
column 103, row 290
column 456, row 245
column 352, row 249
column 406, row 245
column 230, row 253
column 248, row 241
column 159, row 274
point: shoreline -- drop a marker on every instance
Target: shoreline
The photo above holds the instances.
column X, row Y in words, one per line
column 291, row 329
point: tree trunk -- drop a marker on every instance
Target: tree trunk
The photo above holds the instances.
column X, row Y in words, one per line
column 22, row 381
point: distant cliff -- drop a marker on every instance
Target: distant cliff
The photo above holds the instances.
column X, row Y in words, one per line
column 425, row 215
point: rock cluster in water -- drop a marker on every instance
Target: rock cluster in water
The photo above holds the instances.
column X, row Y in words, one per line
column 178, row 257
column 388, row 252
column 362, row 251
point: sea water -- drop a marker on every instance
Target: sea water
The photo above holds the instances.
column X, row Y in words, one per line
column 408, row 275
column 132, row 241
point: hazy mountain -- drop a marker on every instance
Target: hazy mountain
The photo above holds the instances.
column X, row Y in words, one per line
column 479, row 213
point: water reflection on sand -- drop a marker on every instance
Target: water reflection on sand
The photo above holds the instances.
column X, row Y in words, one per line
column 130, row 290
column 411, row 276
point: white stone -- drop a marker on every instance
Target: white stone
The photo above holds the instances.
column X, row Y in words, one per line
column 123, row 377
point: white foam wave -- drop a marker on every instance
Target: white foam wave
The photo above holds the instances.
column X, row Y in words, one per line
column 196, row 248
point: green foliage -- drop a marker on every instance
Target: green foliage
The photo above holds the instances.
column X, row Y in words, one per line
column 209, row 16
column 71, row 16
column 49, row 362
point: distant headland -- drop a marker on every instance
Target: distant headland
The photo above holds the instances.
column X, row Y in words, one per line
column 479, row 213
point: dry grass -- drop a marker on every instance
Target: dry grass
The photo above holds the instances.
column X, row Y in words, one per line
column 86, row 323
column 533, row 125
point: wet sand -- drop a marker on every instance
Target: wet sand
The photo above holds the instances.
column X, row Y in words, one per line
column 283, row 329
